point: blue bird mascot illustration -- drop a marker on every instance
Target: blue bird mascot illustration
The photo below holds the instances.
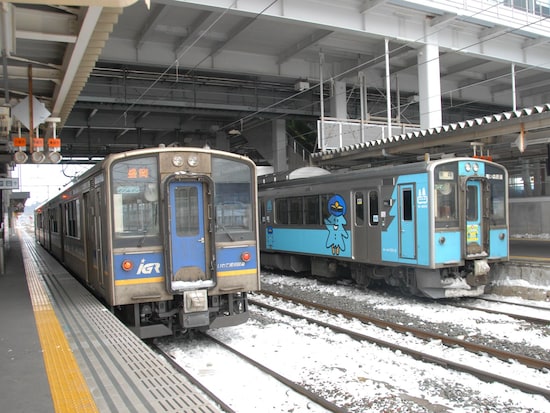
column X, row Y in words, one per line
column 335, row 223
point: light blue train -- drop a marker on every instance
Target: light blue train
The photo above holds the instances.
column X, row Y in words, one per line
column 431, row 228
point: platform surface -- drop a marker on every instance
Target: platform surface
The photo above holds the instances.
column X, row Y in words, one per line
column 61, row 350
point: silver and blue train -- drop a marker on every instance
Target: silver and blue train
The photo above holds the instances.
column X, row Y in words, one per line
column 167, row 237
column 432, row 228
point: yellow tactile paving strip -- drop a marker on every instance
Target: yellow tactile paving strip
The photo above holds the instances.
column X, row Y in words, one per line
column 69, row 390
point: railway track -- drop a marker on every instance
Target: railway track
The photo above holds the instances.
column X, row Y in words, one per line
column 531, row 313
column 421, row 334
column 293, row 357
column 312, row 401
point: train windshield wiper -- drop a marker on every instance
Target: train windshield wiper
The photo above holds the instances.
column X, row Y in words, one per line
column 225, row 231
column 141, row 241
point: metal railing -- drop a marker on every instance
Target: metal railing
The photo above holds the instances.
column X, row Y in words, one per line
column 335, row 133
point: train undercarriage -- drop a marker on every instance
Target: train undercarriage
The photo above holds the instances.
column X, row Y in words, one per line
column 460, row 281
column 162, row 318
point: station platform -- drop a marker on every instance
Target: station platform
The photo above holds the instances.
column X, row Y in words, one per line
column 61, row 350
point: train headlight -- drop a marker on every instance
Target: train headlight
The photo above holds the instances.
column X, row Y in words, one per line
column 245, row 256
column 127, row 265
column 501, row 236
column 193, row 160
column 442, row 240
column 475, row 167
column 468, row 167
column 177, row 161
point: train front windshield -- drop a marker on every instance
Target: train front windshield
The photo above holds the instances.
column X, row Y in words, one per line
column 233, row 199
column 136, row 201
column 446, row 195
column 497, row 182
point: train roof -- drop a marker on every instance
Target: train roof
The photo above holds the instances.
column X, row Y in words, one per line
column 287, row 179
column 145, row 151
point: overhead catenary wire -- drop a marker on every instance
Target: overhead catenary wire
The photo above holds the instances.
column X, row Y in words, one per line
column 243, row 119
column 372, row 60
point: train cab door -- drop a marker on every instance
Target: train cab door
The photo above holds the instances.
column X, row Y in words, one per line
column 407, row 222
column 476, row 236
column 189, row 258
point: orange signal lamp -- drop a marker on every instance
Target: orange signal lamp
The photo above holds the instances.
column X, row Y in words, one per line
column 127, row 265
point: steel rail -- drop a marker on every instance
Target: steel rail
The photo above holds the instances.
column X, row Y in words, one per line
column 481, row 374
column 224, row 406
column 449, row 341
column 522, row 317
column 289, row 383
column 523, row 304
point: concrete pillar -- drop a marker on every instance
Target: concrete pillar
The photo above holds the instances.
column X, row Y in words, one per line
column 338, row 100
column 429, row 86
column 526, row 175
column 278, row 137
column 537, row 175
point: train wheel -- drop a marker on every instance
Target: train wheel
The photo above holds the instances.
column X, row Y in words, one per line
column 360, row 275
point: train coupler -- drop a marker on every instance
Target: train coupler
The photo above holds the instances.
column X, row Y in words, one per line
column 479, row 274
column 194, row 310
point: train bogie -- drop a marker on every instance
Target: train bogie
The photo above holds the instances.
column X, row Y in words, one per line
column 150, row 232
column 431, row 228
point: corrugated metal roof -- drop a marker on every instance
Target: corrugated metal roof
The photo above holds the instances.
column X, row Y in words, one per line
column 507, row 123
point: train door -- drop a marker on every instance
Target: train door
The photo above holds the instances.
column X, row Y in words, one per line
column 48, row 234
column 189, row 256
column 266, row 220
column 61, row 214
column 366, row 234
column 92, row 204
column 407, row 222
column 476, row 238
column 88, row 245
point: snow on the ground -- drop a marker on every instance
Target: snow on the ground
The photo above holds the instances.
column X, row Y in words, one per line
column 362, row 376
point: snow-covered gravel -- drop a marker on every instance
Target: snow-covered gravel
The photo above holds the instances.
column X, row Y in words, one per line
column 361, row 376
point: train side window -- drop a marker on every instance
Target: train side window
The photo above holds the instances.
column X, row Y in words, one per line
column 312, row 210
column 54, row 221
column 407, row 205
column 281, row 211
column 72, row 218
column 295, row 210
column 373, row 208
column 324, row 205
column 359, row 209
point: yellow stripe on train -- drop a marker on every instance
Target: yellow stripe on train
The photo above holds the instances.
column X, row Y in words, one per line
column 252, row 271
column 135, row 281
column 151, row 280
